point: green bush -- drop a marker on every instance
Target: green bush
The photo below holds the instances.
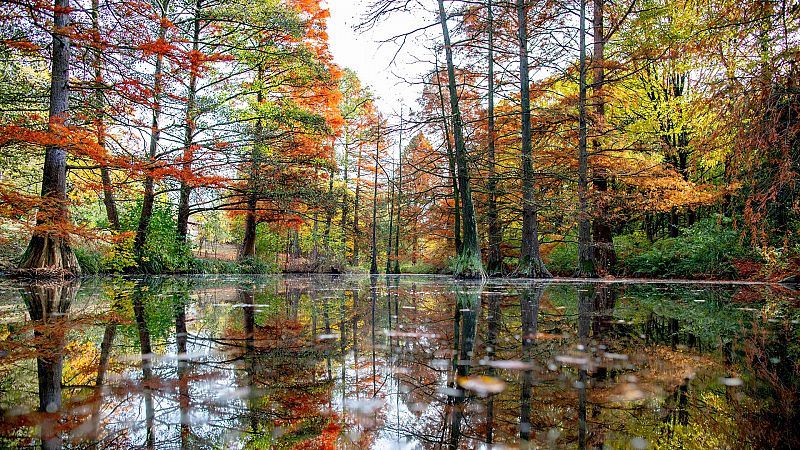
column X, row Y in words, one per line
column 562, row 259
column 704, row 250
column 162, row 252
column 119, row 257
column 89, row 260
column 247, row 266
column 252, row 265
column 202, row 266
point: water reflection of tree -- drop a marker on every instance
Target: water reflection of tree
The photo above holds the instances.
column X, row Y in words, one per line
column 465, row 323
column 286, row 399
column 640, row 345
column 47, row 305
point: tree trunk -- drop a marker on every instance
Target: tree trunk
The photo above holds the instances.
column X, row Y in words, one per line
column 451, row 161
column 343, row 224
column 399, row 200
column 249, row 242
column 374, row 264
column 468, row 262
column 530, row 260
column 49, row 251
column 189, row 127
column 100, row 129
column 586, row 263
column 329, row 215
column 248, row 249
column 148, row 200
column 356, row 230
column 494, row 264
column 391, row 227
column 604, row 254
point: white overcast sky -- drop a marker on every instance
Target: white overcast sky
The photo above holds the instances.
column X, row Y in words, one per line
column 372, row 61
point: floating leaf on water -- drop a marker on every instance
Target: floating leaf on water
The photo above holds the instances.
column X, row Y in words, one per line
column 510, row 364
column 731, row 381
column 482, row 384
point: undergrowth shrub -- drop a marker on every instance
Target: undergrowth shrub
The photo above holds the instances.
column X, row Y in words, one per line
column 705, row 250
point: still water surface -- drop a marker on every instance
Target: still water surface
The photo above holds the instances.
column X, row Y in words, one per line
column 401, row 362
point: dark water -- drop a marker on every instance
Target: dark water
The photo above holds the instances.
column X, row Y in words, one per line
column 405, row 362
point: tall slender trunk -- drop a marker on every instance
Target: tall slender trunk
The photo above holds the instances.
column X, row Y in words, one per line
column 314, row 230
column 604, row 253
column 328, row 214
column 248, row 249
column 49, row 248
column 100, row 127
column 530, row 259
column 343, row 224
column 149, row 197
column 391, row 227
column 468, row 262
column 356, row 230
column 586, row 262
column 374, row 265
column 189, row 130
column 451, row 162
column 399, row 199
column 494, row 263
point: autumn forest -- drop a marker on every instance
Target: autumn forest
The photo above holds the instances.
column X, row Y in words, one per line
column 629, row 138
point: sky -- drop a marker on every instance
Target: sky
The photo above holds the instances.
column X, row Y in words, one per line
column 372, row 61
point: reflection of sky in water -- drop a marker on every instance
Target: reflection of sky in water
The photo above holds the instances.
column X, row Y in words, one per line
column 634, row 363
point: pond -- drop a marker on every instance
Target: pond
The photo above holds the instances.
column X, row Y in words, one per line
column 397, row 362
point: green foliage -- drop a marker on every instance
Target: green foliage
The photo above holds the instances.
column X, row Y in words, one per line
column 704, row 250
column 246, row 266
column 90, row 260
column 120, row 257
column 267, row 241
column 562, row 259
column 419, row 268
column 162, row 252
column 255, row 265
